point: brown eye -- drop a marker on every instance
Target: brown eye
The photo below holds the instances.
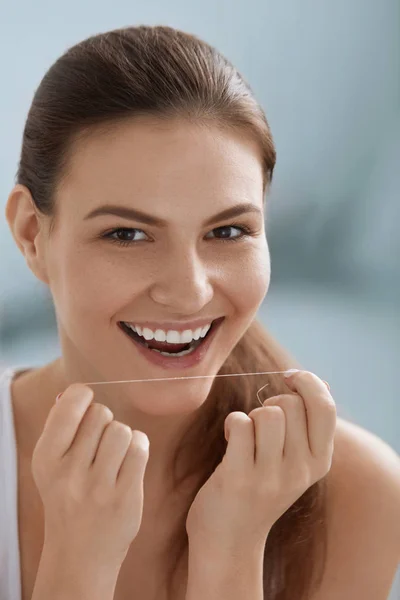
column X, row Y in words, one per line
column 245, row 232
column 126, row 233
column 122, row 233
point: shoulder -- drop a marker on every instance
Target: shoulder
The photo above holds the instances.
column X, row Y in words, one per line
column 363, row 513
column 362, row 462
column 364, row 483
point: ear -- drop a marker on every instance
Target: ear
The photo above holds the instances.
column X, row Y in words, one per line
column 27, row 229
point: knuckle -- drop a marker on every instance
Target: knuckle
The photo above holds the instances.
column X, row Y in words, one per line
column 274, row 412
column 120, row 428
column 137, row 450
column 330, row 405
column 286, row 399
column 291, row 399
column 77, row 389
column 101, row 412
column 256, row 412
column 237, row 416
column 307, row 375
column 238, row 419
column 75, row 413
column 139, row 441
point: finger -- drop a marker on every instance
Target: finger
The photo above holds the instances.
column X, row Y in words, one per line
column 320, row 409
column 64, row 419
column 131, row 473
column 270, row 431
column 112, row 450
column 90, row 431
column 296, row 442
column 239, row 454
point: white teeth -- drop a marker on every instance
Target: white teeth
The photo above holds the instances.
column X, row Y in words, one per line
column 186, row 336
column 204, row 331
column 197, row 333
column 171, row 337
column 147, row 334
column 183, row 353
column 159, row 335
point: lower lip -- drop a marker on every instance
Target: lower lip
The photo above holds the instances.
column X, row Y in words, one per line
column 181, row 362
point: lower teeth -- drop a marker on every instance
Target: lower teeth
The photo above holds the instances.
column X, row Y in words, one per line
column 183, row 353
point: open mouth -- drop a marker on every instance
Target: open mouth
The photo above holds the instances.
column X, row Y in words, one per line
column 175, row 350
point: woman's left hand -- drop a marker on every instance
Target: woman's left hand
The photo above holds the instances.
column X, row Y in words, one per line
column 273, row 456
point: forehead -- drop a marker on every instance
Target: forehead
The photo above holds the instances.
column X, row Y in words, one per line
column 157, row 158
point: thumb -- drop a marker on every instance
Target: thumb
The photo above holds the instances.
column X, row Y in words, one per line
column 228, row 422
column 227, row 428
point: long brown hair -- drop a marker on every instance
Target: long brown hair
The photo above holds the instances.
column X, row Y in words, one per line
column 166, row 73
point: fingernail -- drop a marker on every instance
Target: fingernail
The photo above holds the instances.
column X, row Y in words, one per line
column 327, row 384
column 58, row 397
column 290, row 372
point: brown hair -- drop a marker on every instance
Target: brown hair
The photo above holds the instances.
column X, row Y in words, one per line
column 165, row 73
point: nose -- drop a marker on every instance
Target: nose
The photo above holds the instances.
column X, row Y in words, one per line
column 183, row 283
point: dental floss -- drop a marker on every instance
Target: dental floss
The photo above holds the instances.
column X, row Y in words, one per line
column 192, row 377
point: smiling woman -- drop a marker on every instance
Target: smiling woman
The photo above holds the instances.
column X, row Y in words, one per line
column 164, row 125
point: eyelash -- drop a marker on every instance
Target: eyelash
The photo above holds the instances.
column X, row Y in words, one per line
column 246, row 232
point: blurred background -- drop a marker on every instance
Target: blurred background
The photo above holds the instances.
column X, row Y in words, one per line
column 328, row 77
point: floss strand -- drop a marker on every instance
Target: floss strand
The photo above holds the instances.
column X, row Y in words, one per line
column 191, row 377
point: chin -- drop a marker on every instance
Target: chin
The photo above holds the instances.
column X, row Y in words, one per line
column 183, row 397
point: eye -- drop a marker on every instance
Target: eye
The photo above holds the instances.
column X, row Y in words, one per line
column 126, row 231
column 129, row 232
column 245, row 232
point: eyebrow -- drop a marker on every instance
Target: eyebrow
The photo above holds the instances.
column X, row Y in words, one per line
column 137, row 215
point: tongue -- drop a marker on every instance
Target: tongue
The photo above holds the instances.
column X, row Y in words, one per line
column 165, row 347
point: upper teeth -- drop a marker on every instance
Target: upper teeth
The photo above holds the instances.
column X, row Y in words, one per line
column 170, row 336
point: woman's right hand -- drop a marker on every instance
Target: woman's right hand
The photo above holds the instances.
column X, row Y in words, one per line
column 89, row 471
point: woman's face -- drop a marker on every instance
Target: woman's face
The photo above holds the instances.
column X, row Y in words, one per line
column 184, row 270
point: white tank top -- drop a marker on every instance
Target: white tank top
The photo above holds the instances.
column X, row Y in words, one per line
column 10, row 573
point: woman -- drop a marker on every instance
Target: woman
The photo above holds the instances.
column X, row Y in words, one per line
column 139, row 202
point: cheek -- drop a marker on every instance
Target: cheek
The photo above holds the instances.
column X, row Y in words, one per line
column 252, row 279
column 93, row 290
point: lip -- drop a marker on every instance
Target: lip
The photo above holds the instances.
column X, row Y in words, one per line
column 181, row 362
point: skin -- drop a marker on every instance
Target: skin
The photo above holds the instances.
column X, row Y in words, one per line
column 177, row 171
